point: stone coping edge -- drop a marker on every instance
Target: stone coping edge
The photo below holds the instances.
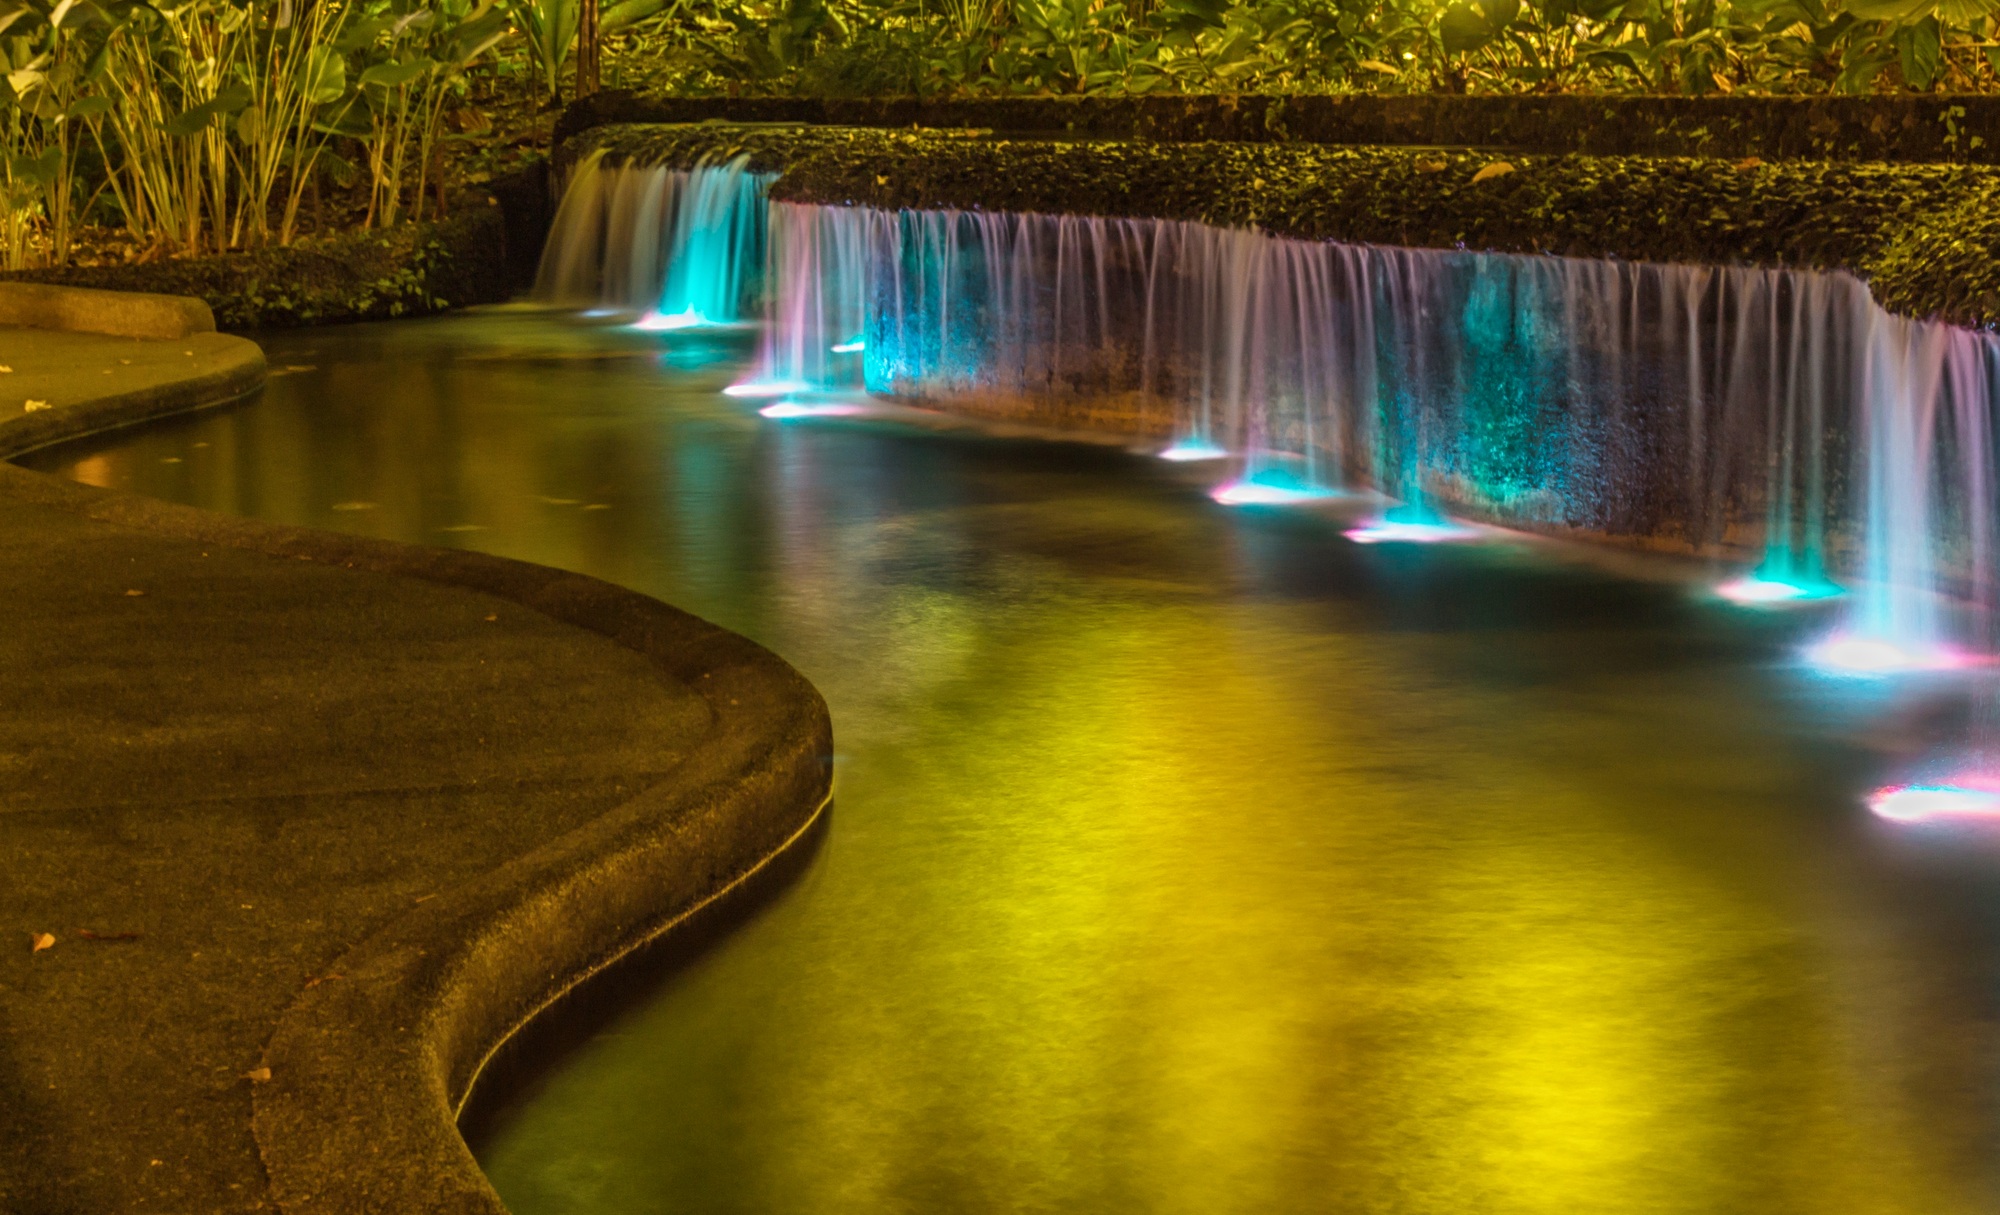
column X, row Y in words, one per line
column 134, row 314
column 240, row 373
column 1962, row 128
column 368, row 1071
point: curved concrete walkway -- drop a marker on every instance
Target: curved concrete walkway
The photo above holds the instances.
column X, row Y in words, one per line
column 315, row 821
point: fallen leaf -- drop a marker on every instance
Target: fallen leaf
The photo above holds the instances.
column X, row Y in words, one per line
column 133, row 594
column 1498, row 168
column 32, row 406
column 42, row 940
column 1431, row 166
column 5, row 370
column 257, row 1075
column 493, row 617
column 1749, row 162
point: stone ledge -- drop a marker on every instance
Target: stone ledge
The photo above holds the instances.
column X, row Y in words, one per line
column 130, row 314
column 1930, row 127
column 386, row 1055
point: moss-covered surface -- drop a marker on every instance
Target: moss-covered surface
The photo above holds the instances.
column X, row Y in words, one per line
column 1922, row 232
column 1934, row 127
column 367, row 275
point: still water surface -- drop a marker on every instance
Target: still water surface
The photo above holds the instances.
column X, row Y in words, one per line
column 1185, row 859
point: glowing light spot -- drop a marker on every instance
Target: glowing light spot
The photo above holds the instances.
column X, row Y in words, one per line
column 1411, row 531
column 1925, row 803
column 1844, row 653
column 853, row 347
column 1752, row 589
column 765, row 388
column 597, row 312
column 1193, row 449
column 805, row 409
column 1269, row 489
column 655, row 322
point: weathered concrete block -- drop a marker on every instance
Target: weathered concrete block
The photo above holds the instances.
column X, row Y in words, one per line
column 120, row 313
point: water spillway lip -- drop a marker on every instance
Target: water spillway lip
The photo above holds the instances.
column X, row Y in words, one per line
column 1753, row 590
column 1853, row 654
column 1967, row 798
column 1402, row 531
column 1193, row 449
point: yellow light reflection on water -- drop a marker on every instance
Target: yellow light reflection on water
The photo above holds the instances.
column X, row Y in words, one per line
column 1156, row 886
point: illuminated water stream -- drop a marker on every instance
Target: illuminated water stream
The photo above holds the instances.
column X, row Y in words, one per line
column 1188, row 858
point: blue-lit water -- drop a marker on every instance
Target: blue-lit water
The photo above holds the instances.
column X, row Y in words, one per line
column 1775, row 418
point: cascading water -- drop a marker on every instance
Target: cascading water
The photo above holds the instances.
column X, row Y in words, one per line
column 1778, row 416
column 682, row 247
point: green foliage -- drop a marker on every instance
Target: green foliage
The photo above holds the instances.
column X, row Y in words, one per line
column 202, row 123
column 1688, row 47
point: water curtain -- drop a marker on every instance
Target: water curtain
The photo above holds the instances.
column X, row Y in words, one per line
column 682, row 247
column 1775, row 415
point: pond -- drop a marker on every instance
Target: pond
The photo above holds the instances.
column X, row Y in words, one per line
column 1185, row 858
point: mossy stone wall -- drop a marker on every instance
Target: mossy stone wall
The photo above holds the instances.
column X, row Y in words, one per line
column 409, row 270
column 1924, row 235
column 1919, row 128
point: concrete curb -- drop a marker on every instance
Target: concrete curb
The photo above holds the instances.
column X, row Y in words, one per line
column 386, row 1054
column 233, row 368
column 133, row 314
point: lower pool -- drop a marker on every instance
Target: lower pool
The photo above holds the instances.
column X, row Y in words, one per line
column 1185, row 858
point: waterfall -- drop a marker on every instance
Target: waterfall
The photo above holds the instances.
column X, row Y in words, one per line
column 681, row 247
column 1775, row 417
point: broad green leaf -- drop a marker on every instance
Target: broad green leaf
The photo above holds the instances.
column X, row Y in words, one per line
column 1616, row 57
column 344, row 117
column 396, row 73
column 42, row 170
column 1858, row 76
column 250, row 124
column 197, row 118
column 88, row 107
column 1891, row 10
column 323, row 75
column 1918, row 52
column 1464, row 28
column 360, row 34
column 472, row 38
column 628, row 12
column 1965, row 12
